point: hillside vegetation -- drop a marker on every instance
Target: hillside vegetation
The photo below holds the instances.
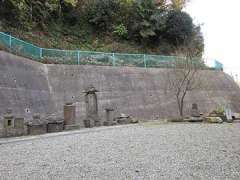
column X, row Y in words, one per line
column 130, row 26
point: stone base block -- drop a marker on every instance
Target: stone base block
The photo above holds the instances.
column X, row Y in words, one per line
column 124, row 121
column 97, row 123
column 71, row 127
column 176, row 120
column 195, row 119
column 214, row 120
column 12, row 132
column 37, row 129
column 108, row 123
column 55, row 127
column 229, row 121
column 87, row 123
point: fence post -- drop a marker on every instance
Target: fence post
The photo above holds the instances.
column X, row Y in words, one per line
column 10, row 41
column 78, row 57
column 145, row 61
column 40, row 53
column 114, row 60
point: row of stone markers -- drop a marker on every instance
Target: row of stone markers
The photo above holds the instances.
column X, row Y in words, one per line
column 226, row 115
column 16, row 126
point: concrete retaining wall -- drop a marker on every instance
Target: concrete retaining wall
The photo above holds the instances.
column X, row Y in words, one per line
column 24, row 86
column 134, row 91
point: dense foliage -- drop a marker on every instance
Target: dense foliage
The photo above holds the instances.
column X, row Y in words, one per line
column 151, row 23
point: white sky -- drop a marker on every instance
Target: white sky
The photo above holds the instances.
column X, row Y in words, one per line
column 220, row 21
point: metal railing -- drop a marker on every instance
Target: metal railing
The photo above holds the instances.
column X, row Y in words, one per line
column 57, row 56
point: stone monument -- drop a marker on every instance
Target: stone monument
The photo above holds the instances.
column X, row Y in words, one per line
column 12, row 126
column 195, row 115
column 92, row 118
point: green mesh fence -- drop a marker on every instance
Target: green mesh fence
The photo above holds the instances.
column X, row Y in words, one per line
column 5, row 40
column 56, row 56
column 23, row 48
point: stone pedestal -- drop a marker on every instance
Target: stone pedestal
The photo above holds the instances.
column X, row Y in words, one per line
column 55, row 124
column 109, row 117
column 69, row 114
column 37, row 129
column 55, row 127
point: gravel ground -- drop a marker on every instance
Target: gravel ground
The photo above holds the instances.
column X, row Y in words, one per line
column 145, row 151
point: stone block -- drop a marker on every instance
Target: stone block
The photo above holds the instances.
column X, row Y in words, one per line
column 123, row 121
column 89, row 123
column 108, row 123
column 36, row 129
column 19, row 123
column 55, row 127
column 71, row 127
column 195, row 119
column 214, row 120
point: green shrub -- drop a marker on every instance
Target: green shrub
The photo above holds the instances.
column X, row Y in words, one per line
column 120, row 30
column 103, row 13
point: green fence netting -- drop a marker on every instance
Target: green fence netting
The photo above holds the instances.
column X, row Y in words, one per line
column 57, row 56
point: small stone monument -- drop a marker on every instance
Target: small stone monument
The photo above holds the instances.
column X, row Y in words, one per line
column 228, row 113
column 92, row 118
column 195, row 115
column 12, row 126
column 195, row 112
column 109, row 117
column 35, row 126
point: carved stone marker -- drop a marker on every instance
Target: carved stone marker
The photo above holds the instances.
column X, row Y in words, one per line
column 69, row 114
column 195, row 115
column 109, row 117
column 92, row 118
column 228, row 113
column 195, row 112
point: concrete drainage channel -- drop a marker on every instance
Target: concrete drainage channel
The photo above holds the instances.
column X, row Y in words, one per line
column 65, row 133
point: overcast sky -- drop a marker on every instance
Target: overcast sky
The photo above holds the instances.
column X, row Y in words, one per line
column 221, row 30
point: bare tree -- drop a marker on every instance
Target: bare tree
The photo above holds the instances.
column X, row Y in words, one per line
column 183, row 75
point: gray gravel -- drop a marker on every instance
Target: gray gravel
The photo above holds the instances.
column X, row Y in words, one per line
column 145, row 151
